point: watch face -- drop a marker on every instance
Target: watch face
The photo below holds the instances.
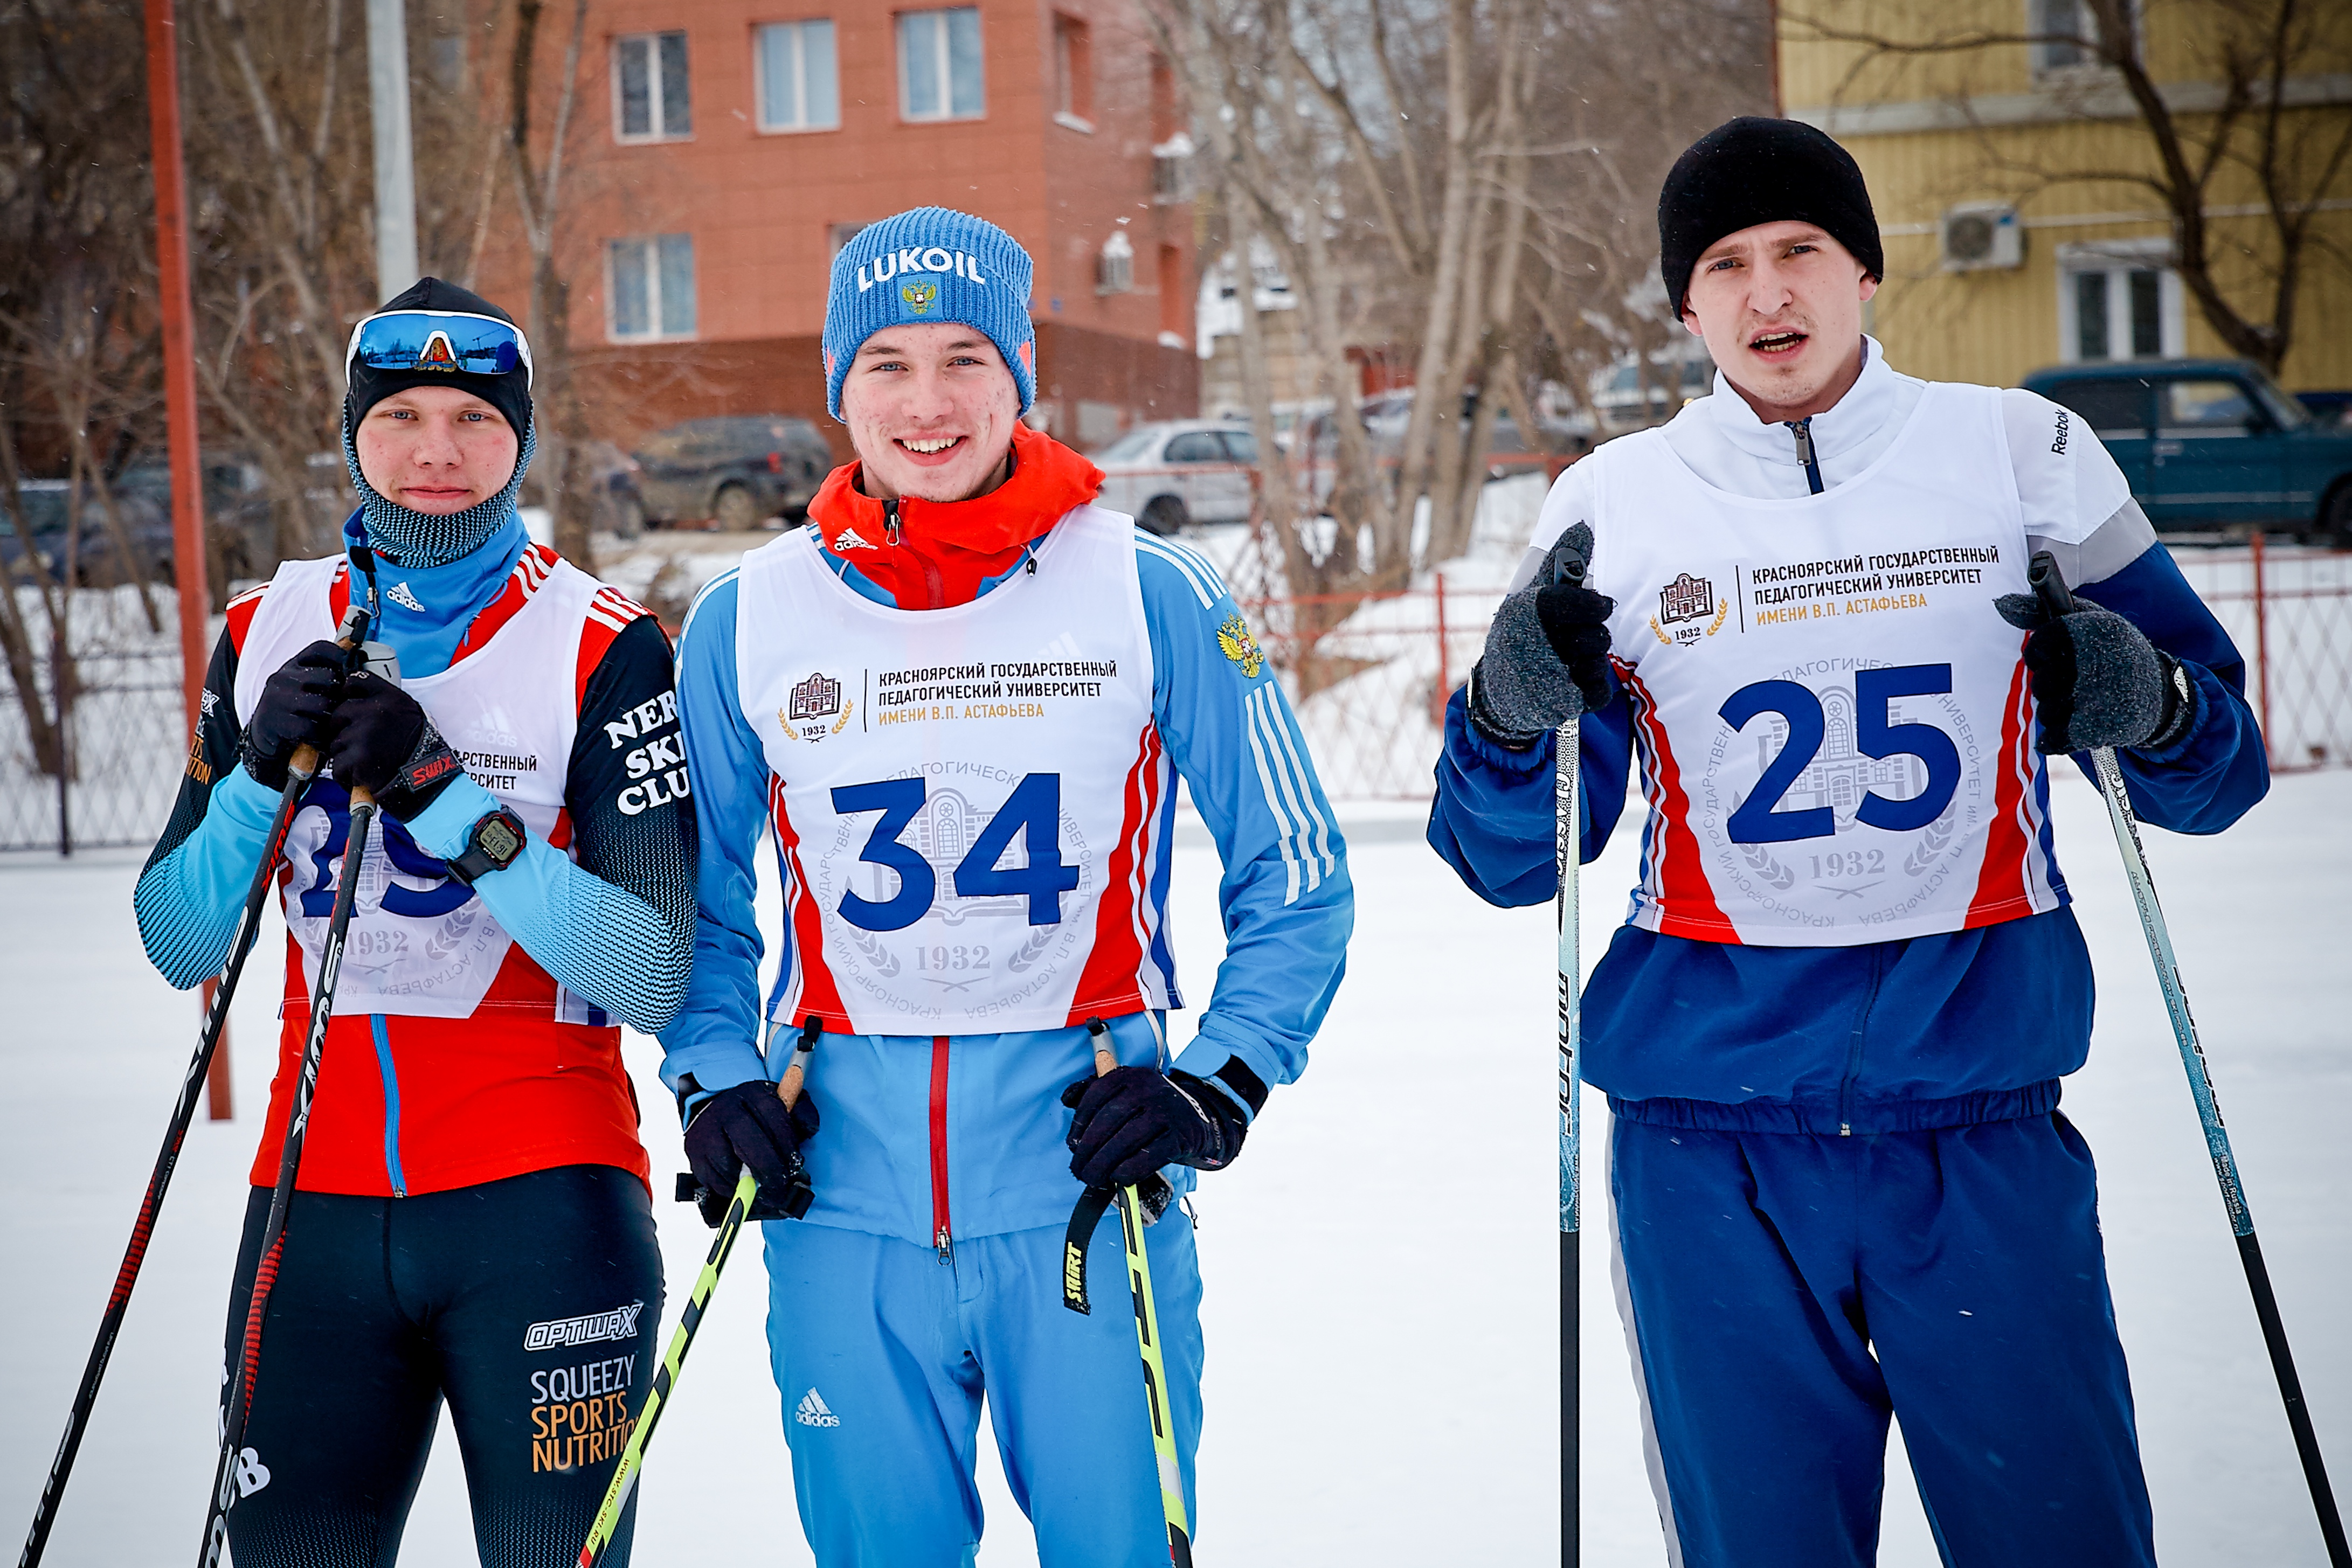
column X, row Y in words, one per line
column 498, row 841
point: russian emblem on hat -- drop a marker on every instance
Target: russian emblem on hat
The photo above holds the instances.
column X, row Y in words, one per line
column 920, row 294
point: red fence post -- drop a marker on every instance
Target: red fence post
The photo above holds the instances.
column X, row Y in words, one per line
column 2262, row 653
column 1445, row 680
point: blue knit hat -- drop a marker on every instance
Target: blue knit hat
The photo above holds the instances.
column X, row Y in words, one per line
column 932, row 264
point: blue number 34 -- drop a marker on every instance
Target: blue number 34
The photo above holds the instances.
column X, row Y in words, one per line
column 1756, row 822
column 1033, row 809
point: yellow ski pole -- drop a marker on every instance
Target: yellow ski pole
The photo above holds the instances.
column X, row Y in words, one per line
column 1147, row 1341
column 625, row 1475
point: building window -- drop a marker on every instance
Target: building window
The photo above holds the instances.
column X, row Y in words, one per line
column 939, row 64
column 2119, row 302
column 1115, row 268
column 650, row 99
column 839, row 234
column 2070, row 29
column 798, row 88
column 1074, row 74
column 649, row 289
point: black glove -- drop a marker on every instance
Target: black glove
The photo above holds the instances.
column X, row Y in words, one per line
column 2097, row 680
column 386, row 745
column 1133, row 1120
column 296, row 709
column 1547, row 657
column 747, row 1125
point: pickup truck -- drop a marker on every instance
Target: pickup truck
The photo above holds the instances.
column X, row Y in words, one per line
column 2213, row 445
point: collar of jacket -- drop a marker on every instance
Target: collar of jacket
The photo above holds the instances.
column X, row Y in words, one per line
column 940, row 553
column 1835, row 431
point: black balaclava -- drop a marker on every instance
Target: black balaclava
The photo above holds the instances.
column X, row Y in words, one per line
column 1753, row 171
column 419, row 539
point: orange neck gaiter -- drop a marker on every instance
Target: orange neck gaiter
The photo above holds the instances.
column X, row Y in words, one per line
column 929, row 555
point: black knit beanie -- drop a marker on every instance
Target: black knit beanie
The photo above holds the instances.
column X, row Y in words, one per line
column 1753, row 171
column 421, row 539
column 509, row 394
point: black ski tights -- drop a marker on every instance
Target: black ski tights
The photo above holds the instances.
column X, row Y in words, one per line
column 532, row 1303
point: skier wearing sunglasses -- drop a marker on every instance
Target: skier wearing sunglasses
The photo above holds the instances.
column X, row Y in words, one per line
column 471, row 1219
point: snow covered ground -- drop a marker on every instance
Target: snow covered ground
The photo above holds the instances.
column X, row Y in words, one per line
column 1382, row 1373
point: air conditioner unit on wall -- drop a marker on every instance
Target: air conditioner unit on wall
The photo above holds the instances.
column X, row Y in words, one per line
column 1977, row 235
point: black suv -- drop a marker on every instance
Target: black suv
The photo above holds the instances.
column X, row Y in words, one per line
column 734, row 470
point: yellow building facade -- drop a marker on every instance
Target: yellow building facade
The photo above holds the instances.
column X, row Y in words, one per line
column 2009, row 179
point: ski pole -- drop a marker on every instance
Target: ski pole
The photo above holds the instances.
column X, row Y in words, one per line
column 1567, row 837
column 304, row 766
column 625, row 1475
column 1147, row 1342
column 2051, row 587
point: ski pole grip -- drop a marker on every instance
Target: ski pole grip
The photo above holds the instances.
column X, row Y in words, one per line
column 2049, row 585
column 304, row 763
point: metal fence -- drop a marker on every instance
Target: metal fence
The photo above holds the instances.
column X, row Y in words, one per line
column 125, row 729
column 1371, row 691
column 2289, row 610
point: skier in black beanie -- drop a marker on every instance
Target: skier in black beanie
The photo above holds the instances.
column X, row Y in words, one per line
column 472, row 1197
column 1833, row 1027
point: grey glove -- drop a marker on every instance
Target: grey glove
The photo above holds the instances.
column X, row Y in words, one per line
column 1546, row 656
column 2097, row 680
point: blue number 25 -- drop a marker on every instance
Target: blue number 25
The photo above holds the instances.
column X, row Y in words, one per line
column 1756, row 822
column 1034, row 809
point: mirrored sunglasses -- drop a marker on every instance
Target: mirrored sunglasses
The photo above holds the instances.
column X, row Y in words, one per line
column 439, row 340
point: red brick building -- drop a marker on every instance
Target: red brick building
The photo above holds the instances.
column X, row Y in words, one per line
column 722, row 150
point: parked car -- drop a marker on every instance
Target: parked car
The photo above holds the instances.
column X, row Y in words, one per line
column 97, row 559
column 615, row 505
column 1174, row 472
column 733, row 470
column 2212, row 444
column 238, row 513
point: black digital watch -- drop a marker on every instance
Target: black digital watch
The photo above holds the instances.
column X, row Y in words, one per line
column 493, row 843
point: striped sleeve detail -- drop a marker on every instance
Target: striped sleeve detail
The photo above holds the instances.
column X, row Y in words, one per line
column 1193, row 566
column 694, row 608
column 609, row 613
column 240, row 615
column 1303, row 833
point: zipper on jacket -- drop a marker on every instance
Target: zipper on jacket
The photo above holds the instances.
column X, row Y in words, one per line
column 942, row 1234
column 1854, row 1046
column 935, row 588
column 1804, row 434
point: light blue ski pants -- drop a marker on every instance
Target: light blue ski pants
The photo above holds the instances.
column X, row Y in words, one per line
column 882, row 1352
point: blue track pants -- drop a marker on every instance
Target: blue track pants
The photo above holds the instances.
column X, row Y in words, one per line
column 882, row 1352
column 1785, row 1294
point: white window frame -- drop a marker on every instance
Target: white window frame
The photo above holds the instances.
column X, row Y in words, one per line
column 2120, row 259
column 1073, row 87
column 798, row 30
column 1115, row 265
column 648, row 246
column 2093, row 69
column 658, row 115
column 936, row 18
